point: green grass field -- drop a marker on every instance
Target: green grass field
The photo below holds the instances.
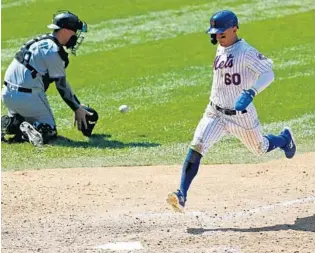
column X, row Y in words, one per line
column 155, row 57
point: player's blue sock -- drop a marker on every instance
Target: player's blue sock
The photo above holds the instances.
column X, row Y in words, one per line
column 276, row 141
column 189, row 171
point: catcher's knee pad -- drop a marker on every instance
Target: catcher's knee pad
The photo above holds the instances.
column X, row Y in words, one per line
column 47, row 131
column 11, row 125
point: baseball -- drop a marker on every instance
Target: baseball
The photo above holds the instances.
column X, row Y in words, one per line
column 123, row 108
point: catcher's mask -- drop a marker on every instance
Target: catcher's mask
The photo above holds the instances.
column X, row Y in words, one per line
column 68, row 20
column 220, row 22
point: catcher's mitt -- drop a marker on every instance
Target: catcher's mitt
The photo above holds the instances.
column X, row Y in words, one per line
column 90, row 121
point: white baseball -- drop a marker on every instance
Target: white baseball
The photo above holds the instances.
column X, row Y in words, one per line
column 123, row 108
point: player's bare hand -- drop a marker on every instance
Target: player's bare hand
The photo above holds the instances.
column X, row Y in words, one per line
column 80, row 118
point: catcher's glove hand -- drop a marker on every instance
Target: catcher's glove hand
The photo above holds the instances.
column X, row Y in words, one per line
column 90, row 121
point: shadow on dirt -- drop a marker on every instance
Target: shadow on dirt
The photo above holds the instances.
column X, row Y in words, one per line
column 301, row 224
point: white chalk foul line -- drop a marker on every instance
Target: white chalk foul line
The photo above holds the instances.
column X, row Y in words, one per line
column 232, row 215
column 205, row 218
column 246, row 213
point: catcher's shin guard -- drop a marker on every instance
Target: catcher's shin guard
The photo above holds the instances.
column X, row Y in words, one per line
column 11, row 124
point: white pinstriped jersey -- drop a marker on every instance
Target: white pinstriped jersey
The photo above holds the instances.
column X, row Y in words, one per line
column 236, row 68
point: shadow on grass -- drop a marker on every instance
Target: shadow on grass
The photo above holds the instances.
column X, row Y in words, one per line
column 306, row 224
column 100, row 141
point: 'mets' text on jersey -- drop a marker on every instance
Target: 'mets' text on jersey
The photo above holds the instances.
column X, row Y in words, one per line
column 236, row 68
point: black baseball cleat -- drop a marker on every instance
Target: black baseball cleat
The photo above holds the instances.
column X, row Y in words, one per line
column 32, row 134
column 290, row 148
column 3, row 139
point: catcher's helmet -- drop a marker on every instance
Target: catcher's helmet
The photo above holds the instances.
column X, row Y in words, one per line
column 221, row 21
column 68, row 20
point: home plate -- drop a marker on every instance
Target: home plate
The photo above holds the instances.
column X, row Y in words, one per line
column 121, row 246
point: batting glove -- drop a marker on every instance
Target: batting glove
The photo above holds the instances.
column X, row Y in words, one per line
column 244, row 100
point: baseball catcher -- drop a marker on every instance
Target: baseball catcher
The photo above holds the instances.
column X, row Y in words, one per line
column 40, row 62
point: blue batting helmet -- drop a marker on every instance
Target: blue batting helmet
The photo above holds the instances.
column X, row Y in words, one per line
column 221, row 21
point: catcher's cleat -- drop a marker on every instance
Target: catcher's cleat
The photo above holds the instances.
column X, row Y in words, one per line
column 290, row 148
column 32, row 134
column 2, row 138
column 177, row 201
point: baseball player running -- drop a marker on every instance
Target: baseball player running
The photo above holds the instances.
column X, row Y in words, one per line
column 240, row 73
column 38, row 63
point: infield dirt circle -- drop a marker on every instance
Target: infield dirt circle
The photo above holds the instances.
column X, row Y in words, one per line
column 266, row 207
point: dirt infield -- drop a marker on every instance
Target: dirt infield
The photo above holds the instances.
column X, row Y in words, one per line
column 231, row 208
